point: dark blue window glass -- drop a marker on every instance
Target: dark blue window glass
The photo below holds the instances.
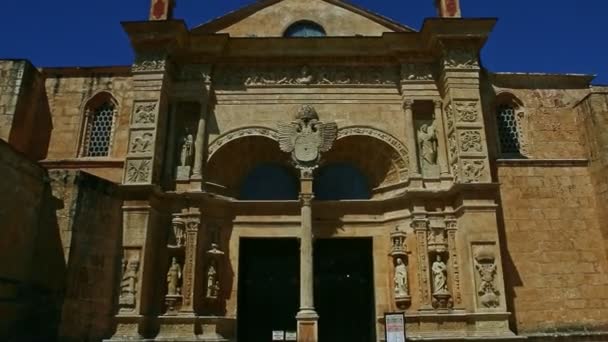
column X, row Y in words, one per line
column 269, row 182
column 305, row 29
column 340, row 181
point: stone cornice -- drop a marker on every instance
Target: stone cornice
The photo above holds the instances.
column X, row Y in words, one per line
column 543, row 162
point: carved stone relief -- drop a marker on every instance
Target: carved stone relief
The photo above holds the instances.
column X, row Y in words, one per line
column 485, row 265
column 416, row 72
column 452, row 147
column 466, row 111
column 308, row 75
column 128, row 285
column 440, row 275
column 306, row 137
column 194, row 72
column 145, row 112
column 472, row 170
column 449, row 114
column 461, row 59
column 402, row 288
column 139, row 171
column 141, row 141
column 174, row 277
column 149, row 63
column 420, row 228
column 470, row 141
column 451, row 227
column 241, row 133
column 427, row 147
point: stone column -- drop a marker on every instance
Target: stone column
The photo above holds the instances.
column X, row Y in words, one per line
column 442, row 148
column 192, row 227
column 410, row 136
column 451, row 226
column 307, row 316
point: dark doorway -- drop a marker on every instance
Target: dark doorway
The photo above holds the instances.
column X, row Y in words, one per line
column 268, row 288
column 344, row 290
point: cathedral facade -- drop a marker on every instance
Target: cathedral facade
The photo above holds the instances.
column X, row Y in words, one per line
column 297, row 170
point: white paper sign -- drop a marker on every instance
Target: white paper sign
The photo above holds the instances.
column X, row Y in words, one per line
column 291, row 336
column 278, row 335
column 395, row 327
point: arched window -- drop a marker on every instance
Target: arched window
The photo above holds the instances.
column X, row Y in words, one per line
column 269, row 182
column 305, row 28
column 100, row 113
column 510, row 121
column 340, row 181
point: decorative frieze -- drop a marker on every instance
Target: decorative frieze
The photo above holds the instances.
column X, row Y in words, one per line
column 451, row 227
column 141, row 141
column 149, row 63
column 460, row 58
column 241, row 133
column 416, row 72
column 308, row 75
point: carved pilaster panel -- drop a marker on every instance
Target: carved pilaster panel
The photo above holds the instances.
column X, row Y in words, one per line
column 452, row 226
column 420, row 226
column 470, row 141
column 473, row 171
column 192, row 228
column 138, row 171
column 130, row 283
column 460, row 58
column 141, row 141
column 486, row 273
column 467, row 111
column 144, row 113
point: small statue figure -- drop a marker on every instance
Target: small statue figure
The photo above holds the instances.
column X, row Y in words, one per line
column 305, row 76
column 186, row 154
column 427, row 143
column 128, row 285
column 173, row 277
column 212, row 281
column 401, row 284
column 440, row 270
column 179, row 232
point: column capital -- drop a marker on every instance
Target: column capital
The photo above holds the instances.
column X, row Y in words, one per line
column 408, row 103
column 438, row 104
column 306, row 199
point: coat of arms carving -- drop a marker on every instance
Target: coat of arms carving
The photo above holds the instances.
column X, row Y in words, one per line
column 307, row 137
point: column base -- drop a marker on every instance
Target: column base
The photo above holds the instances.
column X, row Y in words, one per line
column 308, row 325
column 176, row 328
column 128, row 328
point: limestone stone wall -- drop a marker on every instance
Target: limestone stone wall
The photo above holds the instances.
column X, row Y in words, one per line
column 556, row 268
column 68, row 92
column 89, row 220
column 32, row 269
column 25, row 120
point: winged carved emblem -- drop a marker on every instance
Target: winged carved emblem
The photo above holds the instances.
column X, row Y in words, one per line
column 306, row 137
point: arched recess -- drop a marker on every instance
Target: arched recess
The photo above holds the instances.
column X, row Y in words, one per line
column 380, row 156
column 234, row 155
column 341, row 181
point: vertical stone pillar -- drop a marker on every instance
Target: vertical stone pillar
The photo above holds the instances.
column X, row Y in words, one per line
column 467, row 142
column 200, row 144
column 448, row 8
column 161, row 9
column 451, row 226
column 307, row 316
column 442, row 155
column 420, row 224
column 193, row 222
column 410, row 136
column 148, row 120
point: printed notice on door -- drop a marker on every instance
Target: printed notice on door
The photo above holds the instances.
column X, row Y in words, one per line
column 395, row 327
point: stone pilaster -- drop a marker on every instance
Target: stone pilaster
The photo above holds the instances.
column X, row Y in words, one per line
column 420, row 224
column 441, row 140
column 149, row 116
column 467, row 144
column 192, row 221
column 410, row 136
column 454, row 267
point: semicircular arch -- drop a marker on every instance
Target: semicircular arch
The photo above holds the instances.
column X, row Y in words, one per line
column 250, row 131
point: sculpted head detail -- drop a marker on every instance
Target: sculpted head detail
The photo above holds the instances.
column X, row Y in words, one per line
column 307, row 113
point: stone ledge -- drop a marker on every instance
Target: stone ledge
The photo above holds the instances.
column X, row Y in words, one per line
column 543, row 162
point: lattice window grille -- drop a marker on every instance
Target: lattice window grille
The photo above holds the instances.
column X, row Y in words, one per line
column 507, row 129
column 100, row 125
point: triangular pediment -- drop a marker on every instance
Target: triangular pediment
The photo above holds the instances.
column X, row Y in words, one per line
column 271, row 18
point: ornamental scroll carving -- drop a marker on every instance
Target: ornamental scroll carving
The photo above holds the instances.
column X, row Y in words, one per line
column 139, row 170
column 307, row 75
column 472, row 170
column 466, row 111
column 470, row 141
column 416, row 72
column 402, row 153
column 241, row 133
column 485, row 265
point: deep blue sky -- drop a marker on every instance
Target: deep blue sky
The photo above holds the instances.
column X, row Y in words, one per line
column 531, row 35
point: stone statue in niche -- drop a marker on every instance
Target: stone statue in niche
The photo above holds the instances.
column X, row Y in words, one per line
column 173, row 278
column 179, row 232
column 427, row 145
column 440, row 272
column 213, row 284
column 185, row 158
column 401, row 284
column 128, row 285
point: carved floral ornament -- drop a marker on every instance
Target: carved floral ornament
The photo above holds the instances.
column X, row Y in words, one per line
column 416, row 72
column 150, row 63
column 460, row 58
column 401, row 160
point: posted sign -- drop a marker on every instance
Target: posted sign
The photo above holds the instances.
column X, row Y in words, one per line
column 395, row 327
